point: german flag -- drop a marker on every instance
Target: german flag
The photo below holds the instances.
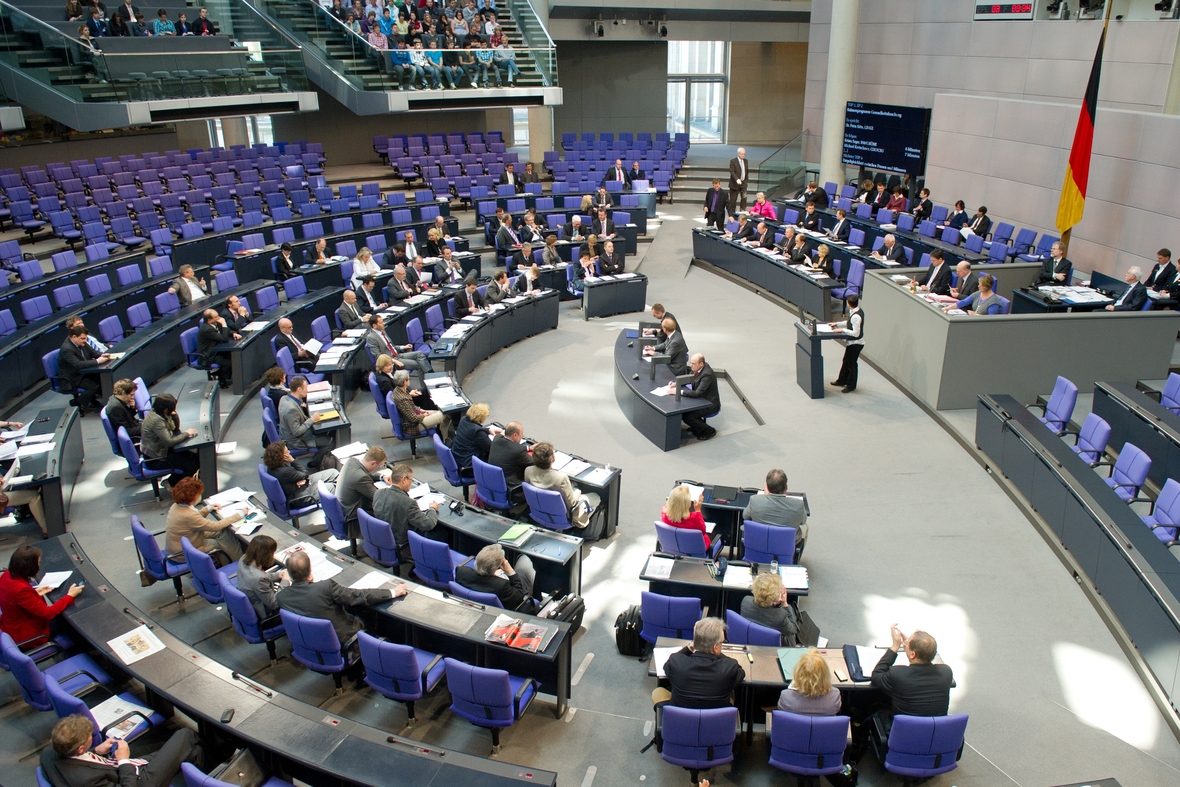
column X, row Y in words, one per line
column 1077, row 174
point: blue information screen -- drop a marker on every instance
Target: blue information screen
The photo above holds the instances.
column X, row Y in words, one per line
column 883, row 136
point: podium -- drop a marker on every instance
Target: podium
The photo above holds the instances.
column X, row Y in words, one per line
column 809, row 358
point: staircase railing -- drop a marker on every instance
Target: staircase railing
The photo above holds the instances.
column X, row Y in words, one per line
column 536, row 38
column 14, row 21
column 784, row 170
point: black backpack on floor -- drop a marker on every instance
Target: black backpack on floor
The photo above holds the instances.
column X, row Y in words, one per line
column 627, row 627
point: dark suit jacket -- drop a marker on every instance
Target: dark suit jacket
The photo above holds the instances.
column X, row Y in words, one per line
column 841, row 230
column 326, row 601
column 611, row 263
column 735, row 172
column 311, row 257
column 704, row 386
column 766, row 239
column 391, row 259
column 916, row 690
column 722, row 202
column 367, row 301
column 634, row 175
column 1045, row 274
column 399, row 291
column 603, row 201
column 676, row 348
column 940, row 283
column 819, row 197
column 799, row 254
column 234, row 322
column 980, row 225
column 811, row 222
column 72, row 361
column 613, row 174
column 702, row 680
column 461, row 309
column 283, row 340
column 1134, row 300
column 597, row 228
column 520, row 261
column 516, row 181
column 534, row 234
column 880, row 199
column 970, row 285
column 350, row 316
column 529, row 177
column 120, row 414
column 896, row 253
column 504, row 238
column 510, row 591
column 209, row 336
column 567, row 232
column 283, row 267
column 68, row 772
column 1160, row 279
column 511, row 457
column 922, row 210
column 744, row 232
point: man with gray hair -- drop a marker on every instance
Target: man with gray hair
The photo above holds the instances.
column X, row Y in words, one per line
column 968, row 281
column 1134, row 296
column 890, row 250
column 395, row 506
column 492, row 573
column 399, row 288
column 700, row 675
column 739, row 176
column 1054, row 268
column 328, row 600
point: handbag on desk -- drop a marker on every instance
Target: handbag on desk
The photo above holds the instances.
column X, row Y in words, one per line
column 242, row 770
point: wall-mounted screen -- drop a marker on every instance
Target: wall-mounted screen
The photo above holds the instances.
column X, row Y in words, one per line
column 881, row 136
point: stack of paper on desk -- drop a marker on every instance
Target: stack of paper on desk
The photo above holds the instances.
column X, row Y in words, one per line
column 446, row 396
column 658, row 567
column 352, row 449
column 229, row 496
column 321, row 567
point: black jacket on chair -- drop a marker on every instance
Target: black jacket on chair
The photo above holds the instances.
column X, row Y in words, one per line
column 916, row 690
column 208, row 337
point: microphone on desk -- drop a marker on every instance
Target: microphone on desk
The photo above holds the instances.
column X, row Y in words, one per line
column 252, row 684
column 127, row 611
column 74, row 549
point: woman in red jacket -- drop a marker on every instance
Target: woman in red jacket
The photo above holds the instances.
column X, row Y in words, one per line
column 24, row 615
column 683, row 511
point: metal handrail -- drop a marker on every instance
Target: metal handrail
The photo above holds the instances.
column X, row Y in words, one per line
column 263, row 18
column 540, row 24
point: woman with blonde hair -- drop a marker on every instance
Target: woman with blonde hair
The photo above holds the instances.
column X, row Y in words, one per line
column 824, row 261
column 472, row 438
column 590, row 246
column 434, row 242
column 587, row 208
column 763, row 208
column 364, row 265
column 811, row 692
column 768, row 606
column 682, row 511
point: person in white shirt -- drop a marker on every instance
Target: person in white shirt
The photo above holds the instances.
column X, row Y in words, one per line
column 364, row 265
column 854, row 330
column 411, row 247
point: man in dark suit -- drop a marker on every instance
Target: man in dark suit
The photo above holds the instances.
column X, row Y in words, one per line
column 399, row 286
column 506, row 237
column 285, row 263
column 810, row 219
column 1163, row 273
column 492, row 573
column 603, row 199
column 213, row 332
column 367, row 298
column 235, row 313
column 923, row 207
column 660, row 314
column 510, row 454
column 703, row 386
column 763, row 237
column 968, row 282
column 673, row 346
column 890, row 250
column 303, row 358
column 610, row 261
column 75, row 358
column 573, row 231
column 121, row 410
column 349, row 312
column 468, row 301
column 981, row 225
column 813, row 193
column 1055, row 269
column 745, row 228
column 700, row 675
column 616, row 173
column 739, row 179
column 1134, row 296
column 798, row 253
column 327, row 600
column 842, row 227
column 921, row 689
column 716, row 206
column 602, row 226
column 937, row 278
column 522, row 257
column 71, row 762
column 634, row 174
column 418, row 278
column 394, row 505
column 509, row 178
column 394, row 255
column 529, row 175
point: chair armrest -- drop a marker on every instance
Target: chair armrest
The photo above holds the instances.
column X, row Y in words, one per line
column 426, row 670
column 350, row 645
column 1141, row 499
column 49, row 646
column 124, row 718
column 177, row 557
column 1102, row 463
column 270, row 622
column 520, row 693
column 159, row 532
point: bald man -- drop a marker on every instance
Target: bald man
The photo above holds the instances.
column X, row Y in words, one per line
column 303, row 358
column 673, row 345
column 349, row 312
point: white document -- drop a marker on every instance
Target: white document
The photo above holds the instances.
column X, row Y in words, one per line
column 135, row 645
column 794, row 577
column 371, row 581
column 37, row 438
column 576, row 467
column 224, row 449
column 111, row 710
column 661, row 656
column 417, row 491
column 16, row 434
column 694, row 492
column 625, row 276
column 737, row 577
column 320, row 407
column 661, row 391
column 313, row 346
column 823, row 327
column 321, row 567
column 344, row 341
column 9, row 449
column 425, row 501
column 257, row 325
column 336, row 543
column 320, row 396
column 34, row 450
column 598, row 475
column 352, row 449
column 956, row 312
column 53, row 579
column 355, row 333
column 229, row 496
column 560, row 460
column 659, row 567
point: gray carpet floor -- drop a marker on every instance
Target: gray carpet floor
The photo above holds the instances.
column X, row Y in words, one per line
column 905, row 528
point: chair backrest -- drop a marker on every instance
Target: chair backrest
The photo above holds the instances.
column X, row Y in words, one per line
column 110, row 432
column 489, row 480
column 333, row 512
column 314, row 643
column 765, row 543
column 1061, row 403
column 266, row 299
column 167, row 303
column 923, row 746
column 204, row 572
column 241, row 611
column 391, row 669
column 378, row 399
column 225, row 280
column 1131, row 469
column 808, row 745
column 480, row 695
column 273, row 490
column 681, row 540
column 139, row 315
column 1092, row 439
column 447, row 460
column 415, row 336
column 149, row 550
column 699, row 739
column 546, row 507
column 1167, row 505
column 7, row 322
column 295, row 287
column 111, row 329
column 66, row 704
column 131, row 455
column 36, row 308
column 487, row 599
column 379, row 541
column 433, row 563
column 744, row 632
column 1170, row 397
column 668, row 616
column 434, row 319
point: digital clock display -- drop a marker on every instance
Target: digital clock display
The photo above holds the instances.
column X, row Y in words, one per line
column 1004, row 11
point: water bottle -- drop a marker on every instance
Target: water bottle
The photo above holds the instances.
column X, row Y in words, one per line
column 774, row 565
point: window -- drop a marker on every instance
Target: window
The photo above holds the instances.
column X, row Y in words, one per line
column 697, row 78
column 520, row 126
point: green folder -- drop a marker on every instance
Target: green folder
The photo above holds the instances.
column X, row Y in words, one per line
column 787, row 659
column 516, row 533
